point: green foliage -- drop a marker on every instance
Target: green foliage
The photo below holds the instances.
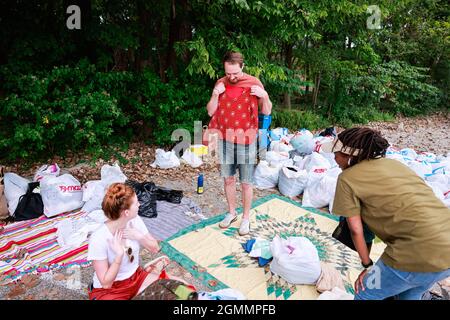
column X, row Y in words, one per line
column 141, row 69
column 53, row 111
column 295, row 120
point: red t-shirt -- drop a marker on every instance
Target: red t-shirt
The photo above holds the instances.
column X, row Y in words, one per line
column 237, row 110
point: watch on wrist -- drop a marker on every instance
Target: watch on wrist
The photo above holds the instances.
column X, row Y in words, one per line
column 367, row 265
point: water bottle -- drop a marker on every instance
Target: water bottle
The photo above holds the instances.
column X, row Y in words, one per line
column 200, row 184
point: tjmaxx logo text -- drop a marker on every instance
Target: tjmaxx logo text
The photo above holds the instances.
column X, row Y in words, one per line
column 70, row 188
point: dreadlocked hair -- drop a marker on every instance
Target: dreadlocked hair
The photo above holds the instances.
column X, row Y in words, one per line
column 370, row 142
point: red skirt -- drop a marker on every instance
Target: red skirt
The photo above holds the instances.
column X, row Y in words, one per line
column 121, row 290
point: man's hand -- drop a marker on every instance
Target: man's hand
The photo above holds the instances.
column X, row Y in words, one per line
column 258, row 91
column 359, row 282
column 219, row 89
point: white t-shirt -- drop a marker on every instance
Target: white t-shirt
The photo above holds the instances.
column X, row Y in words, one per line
column 99, row 249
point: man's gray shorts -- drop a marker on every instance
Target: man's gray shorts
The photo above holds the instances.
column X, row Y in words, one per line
column 234, row 156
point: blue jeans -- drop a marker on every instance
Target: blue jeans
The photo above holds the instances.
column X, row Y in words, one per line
column 234, row 156
column 382, row 282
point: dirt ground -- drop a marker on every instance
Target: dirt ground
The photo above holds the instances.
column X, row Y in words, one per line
column 422, row 134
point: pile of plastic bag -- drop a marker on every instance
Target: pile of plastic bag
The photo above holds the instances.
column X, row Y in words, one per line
column 433, row 169
column 296, row 164
column 62, row 193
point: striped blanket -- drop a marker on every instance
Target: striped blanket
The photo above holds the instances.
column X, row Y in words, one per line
column 32, row 247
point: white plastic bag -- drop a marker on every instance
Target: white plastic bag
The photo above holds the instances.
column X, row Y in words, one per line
column 280, row 146
column 71, row 233
column 408, row 154
column 94, row 191
column 303, row 142
column 265, row 176
column 316, row 160
column 61, row 194
column 292, row 181
column 422, row 169
column 93, row 194
column 426, row 156
column 321, row 189
column 15, row 187
column 47, row 170
column 112, row 174
column 165, row 160
column 277, row 159
column 278, row 133
column 192, row 159
column 320, row 141
column 336, row 294
column 299, row 162
column 295, row 259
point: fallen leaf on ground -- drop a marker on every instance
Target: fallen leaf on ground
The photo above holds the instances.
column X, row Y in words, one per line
column 17, row 290
column 59, row 277
column 30, row 280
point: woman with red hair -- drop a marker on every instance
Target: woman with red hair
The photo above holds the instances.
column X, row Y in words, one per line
column 114, row 248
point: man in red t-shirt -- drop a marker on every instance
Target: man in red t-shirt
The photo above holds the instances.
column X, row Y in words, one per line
column 233, row 108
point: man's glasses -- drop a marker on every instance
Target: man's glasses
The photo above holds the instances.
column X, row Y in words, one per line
column 129, row 252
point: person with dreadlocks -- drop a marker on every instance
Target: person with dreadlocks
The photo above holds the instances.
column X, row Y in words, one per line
column 400, row 209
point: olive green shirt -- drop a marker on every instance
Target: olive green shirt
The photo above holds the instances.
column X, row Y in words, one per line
column 400, row 208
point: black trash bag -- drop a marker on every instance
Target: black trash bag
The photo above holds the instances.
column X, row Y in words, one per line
column 30, row 205
column 169, row 195
column 145, row 192
column 328, row 132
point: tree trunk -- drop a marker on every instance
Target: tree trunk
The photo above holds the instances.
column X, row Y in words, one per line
column 288, row 55
column 143, row 57
column 316, row 89
column 179, row 30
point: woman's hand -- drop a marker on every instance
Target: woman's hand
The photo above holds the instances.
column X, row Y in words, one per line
column 132, row 233
column 359, row 285
column 116, row 244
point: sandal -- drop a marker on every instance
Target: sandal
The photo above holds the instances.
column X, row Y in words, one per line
column 159, row 264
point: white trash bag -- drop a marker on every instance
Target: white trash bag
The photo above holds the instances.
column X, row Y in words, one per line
column 321, row 188
column 422, row 169
column 265, row 176
column 295, row 259
column 61, row 194
column 280, row 146
column 191, row 158
column 292, row 181
column 278, row 133
column 94, row 191
column 93, row 194
column 277, row 159
column 166, row 160
column 303, row 142
column 71, row 233
column 47, row 170
column 112, row 174
column 409, row 154
column 15, row 187
column 336, row 294
column 316, row 160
